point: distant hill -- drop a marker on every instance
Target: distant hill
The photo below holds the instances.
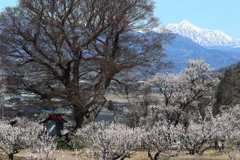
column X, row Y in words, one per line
column 225, row 48
column 183, row 48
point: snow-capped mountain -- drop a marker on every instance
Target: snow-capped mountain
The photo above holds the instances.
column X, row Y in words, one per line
column 204, row 37
column 190, row 42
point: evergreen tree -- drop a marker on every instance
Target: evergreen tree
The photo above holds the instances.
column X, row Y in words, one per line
column 228, row 89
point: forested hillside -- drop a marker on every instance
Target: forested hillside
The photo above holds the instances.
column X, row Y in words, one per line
column 228, row 91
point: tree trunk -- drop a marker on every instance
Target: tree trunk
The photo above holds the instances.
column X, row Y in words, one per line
column 94, row 109
column 10, row 156
column 216, row 144
column 86, row 114
column 192, row 151
column 150, row 155
column 156, row 156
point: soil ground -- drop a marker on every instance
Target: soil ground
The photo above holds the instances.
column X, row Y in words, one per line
column 72, row 155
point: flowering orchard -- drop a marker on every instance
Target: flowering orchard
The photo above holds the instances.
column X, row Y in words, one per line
column 184, row 115
column 24, row 135
column 118, row 141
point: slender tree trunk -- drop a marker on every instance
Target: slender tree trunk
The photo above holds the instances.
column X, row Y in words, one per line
column 177, row 119
column 156, row 156
column 10, row 156
column 216, row 144
column 192, row 151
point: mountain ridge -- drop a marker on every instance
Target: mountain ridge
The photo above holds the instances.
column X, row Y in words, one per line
column 191, row 42
column 204, row 37
column 183, row 48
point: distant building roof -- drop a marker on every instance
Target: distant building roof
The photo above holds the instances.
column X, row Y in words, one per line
column 22, row 108
column 49, row 111
column 8, row 105
column 33, row 110
column 64, row 110
column 54, row 117
column 12, row 113
column 124, row 120
column 32, row 113
column 105, row 118
column 105, row 111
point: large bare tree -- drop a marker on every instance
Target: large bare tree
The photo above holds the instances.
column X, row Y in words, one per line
column 74, row 49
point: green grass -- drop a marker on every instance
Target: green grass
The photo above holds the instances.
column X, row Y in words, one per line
column 63, row 144
column 165, row 158
column 146, row 149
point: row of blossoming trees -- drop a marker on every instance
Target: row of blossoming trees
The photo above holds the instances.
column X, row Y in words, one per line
column 183, row 113
column 118, row 141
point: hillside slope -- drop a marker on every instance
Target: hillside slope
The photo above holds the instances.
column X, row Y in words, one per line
column 183, row 48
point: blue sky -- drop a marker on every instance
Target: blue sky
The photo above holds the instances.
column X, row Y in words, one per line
column 5, row 3
column 221, row 15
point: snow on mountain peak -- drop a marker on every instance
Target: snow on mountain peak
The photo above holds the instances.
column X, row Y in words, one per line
column 187, row 24
column 184, row 24
column 204, row 37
